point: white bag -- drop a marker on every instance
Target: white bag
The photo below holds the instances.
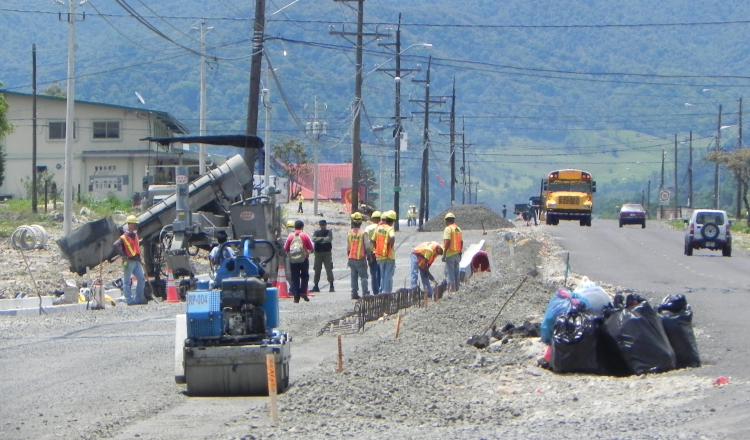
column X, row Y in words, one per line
column 592, row 294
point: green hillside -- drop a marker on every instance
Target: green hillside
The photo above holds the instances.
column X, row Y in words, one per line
column 540, row 86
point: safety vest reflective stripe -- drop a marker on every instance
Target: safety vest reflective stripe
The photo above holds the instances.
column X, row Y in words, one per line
column 356, row 241
column 456, row 238
column 382, row 237
column 130, row 245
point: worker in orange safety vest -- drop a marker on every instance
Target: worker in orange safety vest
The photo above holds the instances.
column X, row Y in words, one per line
column 422, row 258
column 453, row 246
column 357, row 247
column 127, row 247
column 385, row 237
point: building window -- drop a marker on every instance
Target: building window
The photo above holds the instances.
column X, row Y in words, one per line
column 57, row 130
column 106, row 130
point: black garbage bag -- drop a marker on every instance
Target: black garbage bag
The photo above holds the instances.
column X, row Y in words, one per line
column 637, row 333
column 677, row 319
column 576, row 346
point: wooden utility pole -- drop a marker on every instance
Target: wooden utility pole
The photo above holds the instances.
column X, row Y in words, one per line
column 254, row 97
column 690, row 173
column 33, row 129
column 453, row 143
column 357, row 106
column 738, row 211
column 676, row 191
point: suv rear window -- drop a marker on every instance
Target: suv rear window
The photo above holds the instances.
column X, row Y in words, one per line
column 716, row 218
column 631, row 208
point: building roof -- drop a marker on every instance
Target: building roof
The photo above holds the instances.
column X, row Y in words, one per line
column 170, row 121
column 332, row 177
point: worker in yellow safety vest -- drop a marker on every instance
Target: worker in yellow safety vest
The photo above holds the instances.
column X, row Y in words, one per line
column 453, row 245
column 422, row 258
column 127, row 247
column 372, row 261
column 357, row 247
column 385, row 237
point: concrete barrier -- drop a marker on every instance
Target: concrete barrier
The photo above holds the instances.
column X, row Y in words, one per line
column 25, row 303
column 51, row 310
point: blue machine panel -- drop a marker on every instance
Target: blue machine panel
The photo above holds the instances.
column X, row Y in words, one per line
column 203, row 301
column 204, row 325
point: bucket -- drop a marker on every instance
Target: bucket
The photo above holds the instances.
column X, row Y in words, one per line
column 271, row 307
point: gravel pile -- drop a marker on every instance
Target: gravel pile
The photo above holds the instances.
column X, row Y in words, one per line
column 469, row 217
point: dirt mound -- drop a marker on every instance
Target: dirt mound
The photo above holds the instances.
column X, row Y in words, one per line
column 469, row 217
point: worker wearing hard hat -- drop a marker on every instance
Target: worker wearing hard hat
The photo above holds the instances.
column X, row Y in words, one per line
column 127, row 247
column 371, row 260
column 357, row 246
column 453, row 245
column 385, row 238
column 422, row 258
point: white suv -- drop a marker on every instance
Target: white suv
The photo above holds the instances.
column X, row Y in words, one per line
column 708, row 229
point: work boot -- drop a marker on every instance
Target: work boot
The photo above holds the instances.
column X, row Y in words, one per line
column 305, row 298
column 331, row 288
column 355, row 296
column 315, row 288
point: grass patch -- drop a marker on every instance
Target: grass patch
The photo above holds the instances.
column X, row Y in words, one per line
column 17, row 212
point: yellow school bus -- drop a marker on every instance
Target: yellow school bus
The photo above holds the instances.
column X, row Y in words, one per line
column 568, row 195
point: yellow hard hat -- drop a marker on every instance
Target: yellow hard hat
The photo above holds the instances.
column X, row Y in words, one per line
column 290, row 223
column 375, row 214
column 357, row 217
column 390, row 215
column 131, row 219
column 450, row 215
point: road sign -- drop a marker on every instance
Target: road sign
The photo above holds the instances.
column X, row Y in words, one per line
column 664, row 196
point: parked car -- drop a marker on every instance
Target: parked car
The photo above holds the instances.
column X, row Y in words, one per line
column 708, row 229
column 632, row 214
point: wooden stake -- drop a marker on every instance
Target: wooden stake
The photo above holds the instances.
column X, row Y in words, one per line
column 341, row 355
column 271, row 371
column 398, row 326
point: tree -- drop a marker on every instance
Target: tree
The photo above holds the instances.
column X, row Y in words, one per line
column 55, row 90
column 738, row 162
column 295, row 160
column 5, row 129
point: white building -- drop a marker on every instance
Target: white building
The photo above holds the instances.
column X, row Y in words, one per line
column 108, row 155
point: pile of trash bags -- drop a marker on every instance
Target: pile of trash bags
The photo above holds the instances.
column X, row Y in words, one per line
column 588, row 333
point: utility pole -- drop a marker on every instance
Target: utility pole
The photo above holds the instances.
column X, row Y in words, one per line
column 33, row 129
column 738, row 211
column 255, row 71
column 716, row 166
column 266, row 96
column 316, row 128
column 648, row 199
column 356, row 141
column 453, row 143
column 690, row 173
column 676, row 191
column 424, row 198
column 202, row 147
column 661, row 185
column 398, row 73
column 70, row 121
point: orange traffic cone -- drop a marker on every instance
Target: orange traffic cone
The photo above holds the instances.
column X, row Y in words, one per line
column 281, row 283
column 172, row 296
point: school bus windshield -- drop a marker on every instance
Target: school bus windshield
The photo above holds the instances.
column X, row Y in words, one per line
column 575, row 186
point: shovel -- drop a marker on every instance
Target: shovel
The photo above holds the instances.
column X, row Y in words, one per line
column 482, row 340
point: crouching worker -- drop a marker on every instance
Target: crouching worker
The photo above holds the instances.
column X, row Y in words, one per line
column 422, row 258
column 357, row 248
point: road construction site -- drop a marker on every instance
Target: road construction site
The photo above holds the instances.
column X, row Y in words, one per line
column 110, row 373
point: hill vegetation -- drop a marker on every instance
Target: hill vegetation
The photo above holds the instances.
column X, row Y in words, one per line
column 540, row 86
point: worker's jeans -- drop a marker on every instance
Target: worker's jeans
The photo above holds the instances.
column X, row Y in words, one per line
column 416, row 273
column 374, row 274
column 323, row 259
column 387, row 268
column 133, row 267
column 299, row 277
column 452, row 271
column 359, row 272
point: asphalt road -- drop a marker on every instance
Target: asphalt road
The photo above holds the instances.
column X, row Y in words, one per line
column 651, row 260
